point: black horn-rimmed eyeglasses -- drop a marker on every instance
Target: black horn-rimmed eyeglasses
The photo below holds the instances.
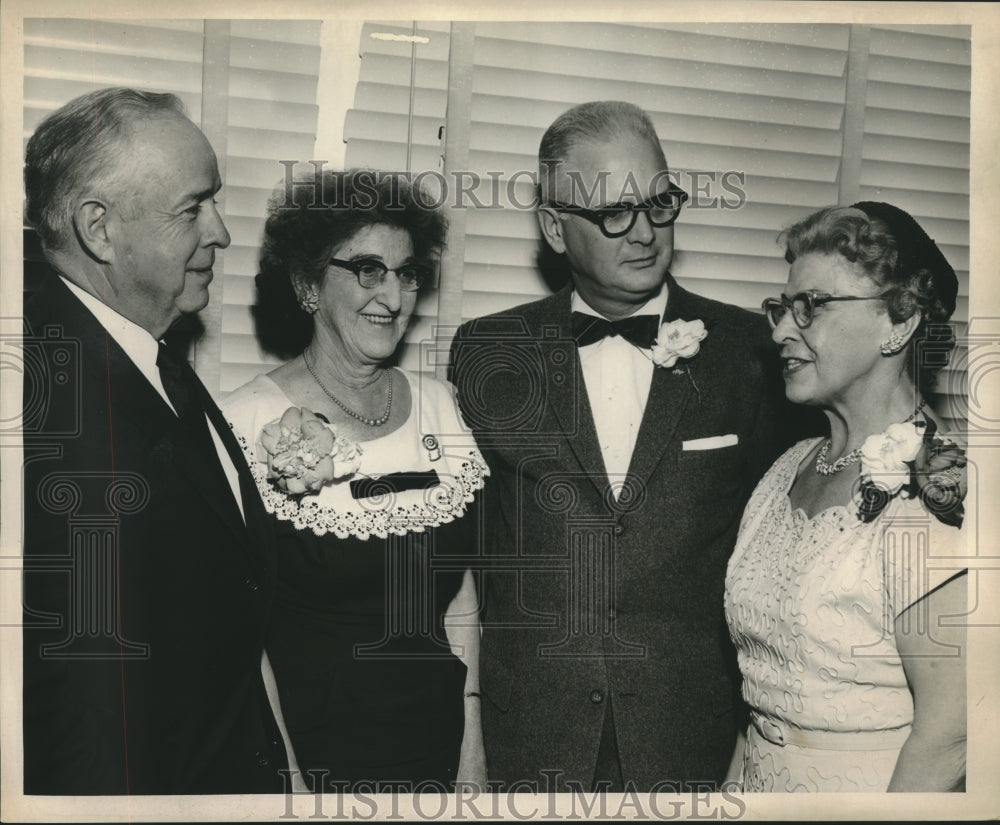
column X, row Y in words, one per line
column 618, row 219
column 803, row 305
column 371, row 272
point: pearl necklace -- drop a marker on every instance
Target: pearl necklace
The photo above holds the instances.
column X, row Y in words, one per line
column 825, row 469
column 370, row 422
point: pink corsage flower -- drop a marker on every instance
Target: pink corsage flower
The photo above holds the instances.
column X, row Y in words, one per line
column 303, row 453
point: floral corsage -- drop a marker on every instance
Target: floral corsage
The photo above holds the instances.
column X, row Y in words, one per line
column 303, row 453
column 910, row 460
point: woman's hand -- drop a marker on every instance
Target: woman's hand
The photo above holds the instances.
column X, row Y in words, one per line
column 461, row 623
column 732, row 780
column 472, row 762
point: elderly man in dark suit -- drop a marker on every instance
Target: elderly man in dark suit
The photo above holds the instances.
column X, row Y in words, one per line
column 620, row 470
column 147, row 553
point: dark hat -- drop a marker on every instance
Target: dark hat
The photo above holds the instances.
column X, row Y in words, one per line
column 916, row 249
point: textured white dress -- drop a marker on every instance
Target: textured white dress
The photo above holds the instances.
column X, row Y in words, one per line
column 812, row 606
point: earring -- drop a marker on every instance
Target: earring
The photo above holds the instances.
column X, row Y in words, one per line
column 309, row 301
column 893, row 345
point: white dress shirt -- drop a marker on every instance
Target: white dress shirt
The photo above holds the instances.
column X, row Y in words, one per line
column 618, row 375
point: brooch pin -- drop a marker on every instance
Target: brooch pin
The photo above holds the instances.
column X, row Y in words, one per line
column 432, row 447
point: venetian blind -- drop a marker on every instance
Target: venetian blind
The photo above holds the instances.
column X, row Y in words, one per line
column 256, row 82
column 915, row 155
column 271, row 98
column 65, row 58
column 396, row 122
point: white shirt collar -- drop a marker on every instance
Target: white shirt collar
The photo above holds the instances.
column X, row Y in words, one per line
column 656, row 305
column 137, row 343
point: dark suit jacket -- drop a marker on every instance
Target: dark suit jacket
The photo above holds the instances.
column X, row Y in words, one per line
column 145, row 594
column 586, row 598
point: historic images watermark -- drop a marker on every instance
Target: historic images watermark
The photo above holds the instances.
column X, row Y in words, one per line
column 496, row 189
column 521, row 801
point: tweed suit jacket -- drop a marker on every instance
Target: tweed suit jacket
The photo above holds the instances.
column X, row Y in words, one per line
column 587, row 598
column 146, row 595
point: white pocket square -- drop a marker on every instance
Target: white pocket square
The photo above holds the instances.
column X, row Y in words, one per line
column 713, row 442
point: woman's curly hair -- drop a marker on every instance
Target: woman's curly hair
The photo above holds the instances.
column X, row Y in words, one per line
column 307, row 219
column 891, row 249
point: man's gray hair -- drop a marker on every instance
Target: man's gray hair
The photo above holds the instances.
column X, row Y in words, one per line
column 80, row 145
column 597, row 121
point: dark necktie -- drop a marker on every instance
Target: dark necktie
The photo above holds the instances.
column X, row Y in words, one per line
column 179, row 381
column 639, row 329
column 180, row 388
column 184, row 391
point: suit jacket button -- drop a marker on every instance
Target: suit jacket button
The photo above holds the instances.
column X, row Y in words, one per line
column 262, row 760
column 619, row 529
column 250, row 583
column 596, row 697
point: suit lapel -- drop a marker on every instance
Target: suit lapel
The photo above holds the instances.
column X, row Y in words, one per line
column 568, row 399
column 253, row 507
column 671, row 391
column 130, row 395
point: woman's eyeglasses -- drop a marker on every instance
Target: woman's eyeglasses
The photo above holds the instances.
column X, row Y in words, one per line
column 371, row 273
column 803, row 305
column 615, row 221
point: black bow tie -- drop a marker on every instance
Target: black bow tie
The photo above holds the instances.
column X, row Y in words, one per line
column 639, row 329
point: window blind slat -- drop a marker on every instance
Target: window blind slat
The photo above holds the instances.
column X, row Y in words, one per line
column 926, row 44
column 43, row 95
column 913, row 98
column 826, row 36
column 932, row 127
column 629, row 68
column 902, row 176
column 705, row 45
column 932, row 153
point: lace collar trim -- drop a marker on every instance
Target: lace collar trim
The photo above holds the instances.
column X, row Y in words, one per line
column 432, row 438
column 396, row 514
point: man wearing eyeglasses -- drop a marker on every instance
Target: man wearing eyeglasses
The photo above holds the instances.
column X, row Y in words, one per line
column 620, row 468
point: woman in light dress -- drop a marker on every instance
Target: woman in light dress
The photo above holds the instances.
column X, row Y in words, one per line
column 846, row 592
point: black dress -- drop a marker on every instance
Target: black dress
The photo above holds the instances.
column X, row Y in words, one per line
column 370, row 691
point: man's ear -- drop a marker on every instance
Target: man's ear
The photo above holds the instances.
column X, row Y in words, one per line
column 550, row 223
column 90, row 225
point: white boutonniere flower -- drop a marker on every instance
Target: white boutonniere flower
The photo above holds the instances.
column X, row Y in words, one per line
column 678, row 339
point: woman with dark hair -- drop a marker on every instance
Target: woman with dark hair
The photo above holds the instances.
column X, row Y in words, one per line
column 372, row 477
column 848, row 562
